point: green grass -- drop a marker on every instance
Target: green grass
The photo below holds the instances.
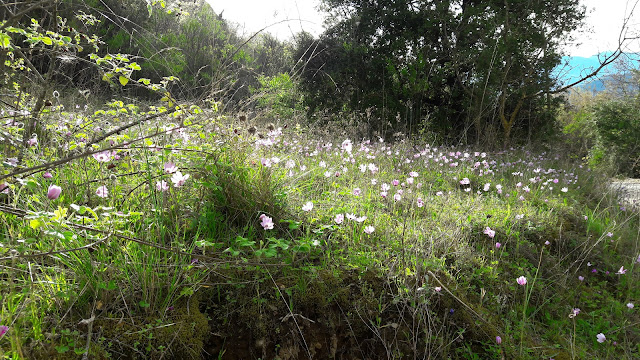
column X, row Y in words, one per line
column 190, row 272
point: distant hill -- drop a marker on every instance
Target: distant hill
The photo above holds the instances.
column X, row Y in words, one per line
column 575, row 67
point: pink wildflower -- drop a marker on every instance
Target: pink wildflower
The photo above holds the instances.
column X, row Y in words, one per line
column 104, row 156
column 170, row 168
column 308, row 206
column 53, row 192
column 178, row 179
column 574, row 313
column 489, row 232
column 162, row 186
column 266, row 222
column 102, row 191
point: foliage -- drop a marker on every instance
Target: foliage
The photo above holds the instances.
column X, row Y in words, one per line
column 279, row 96
column 467, row 69
column 602, row 127
column 618, row 125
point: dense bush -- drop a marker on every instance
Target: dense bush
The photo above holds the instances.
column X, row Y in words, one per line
column 279, row 96
column 618, row 124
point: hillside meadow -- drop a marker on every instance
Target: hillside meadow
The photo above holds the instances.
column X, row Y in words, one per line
column 197, row 234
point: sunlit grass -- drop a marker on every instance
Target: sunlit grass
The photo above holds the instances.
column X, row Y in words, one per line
column 416, row 246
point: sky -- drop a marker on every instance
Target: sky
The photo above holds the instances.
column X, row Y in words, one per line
column 604, row 19
column 253, row 15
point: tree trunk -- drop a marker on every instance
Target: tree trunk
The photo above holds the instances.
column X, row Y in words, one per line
column 507, row 124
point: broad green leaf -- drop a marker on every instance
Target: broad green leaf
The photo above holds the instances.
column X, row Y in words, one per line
column 59, row 214
column 46, row 40
column 123, row 80
column 5, row 40
column 36, row 223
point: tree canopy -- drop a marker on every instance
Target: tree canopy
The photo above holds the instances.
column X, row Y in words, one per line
column 469, row 69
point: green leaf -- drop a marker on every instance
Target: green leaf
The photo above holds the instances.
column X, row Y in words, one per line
column 5, row 40
column 186, row 291
column 62, row 349
column 123, row 80
column 112, row 285
column 46, row 40
column 36, row 223
column 32, row 184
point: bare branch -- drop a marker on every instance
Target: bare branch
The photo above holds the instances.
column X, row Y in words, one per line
column 622, row 41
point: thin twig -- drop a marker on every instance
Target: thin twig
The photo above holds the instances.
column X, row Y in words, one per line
column 43, row 254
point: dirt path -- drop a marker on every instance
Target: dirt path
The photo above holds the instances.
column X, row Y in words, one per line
column 628, row 190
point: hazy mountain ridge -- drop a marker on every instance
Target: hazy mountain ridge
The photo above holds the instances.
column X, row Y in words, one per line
column 574, row 68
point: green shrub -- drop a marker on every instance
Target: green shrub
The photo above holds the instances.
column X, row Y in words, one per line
column 279, row 96
column 618, row 124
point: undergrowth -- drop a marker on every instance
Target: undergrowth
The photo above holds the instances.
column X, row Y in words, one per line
column 201, row 239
